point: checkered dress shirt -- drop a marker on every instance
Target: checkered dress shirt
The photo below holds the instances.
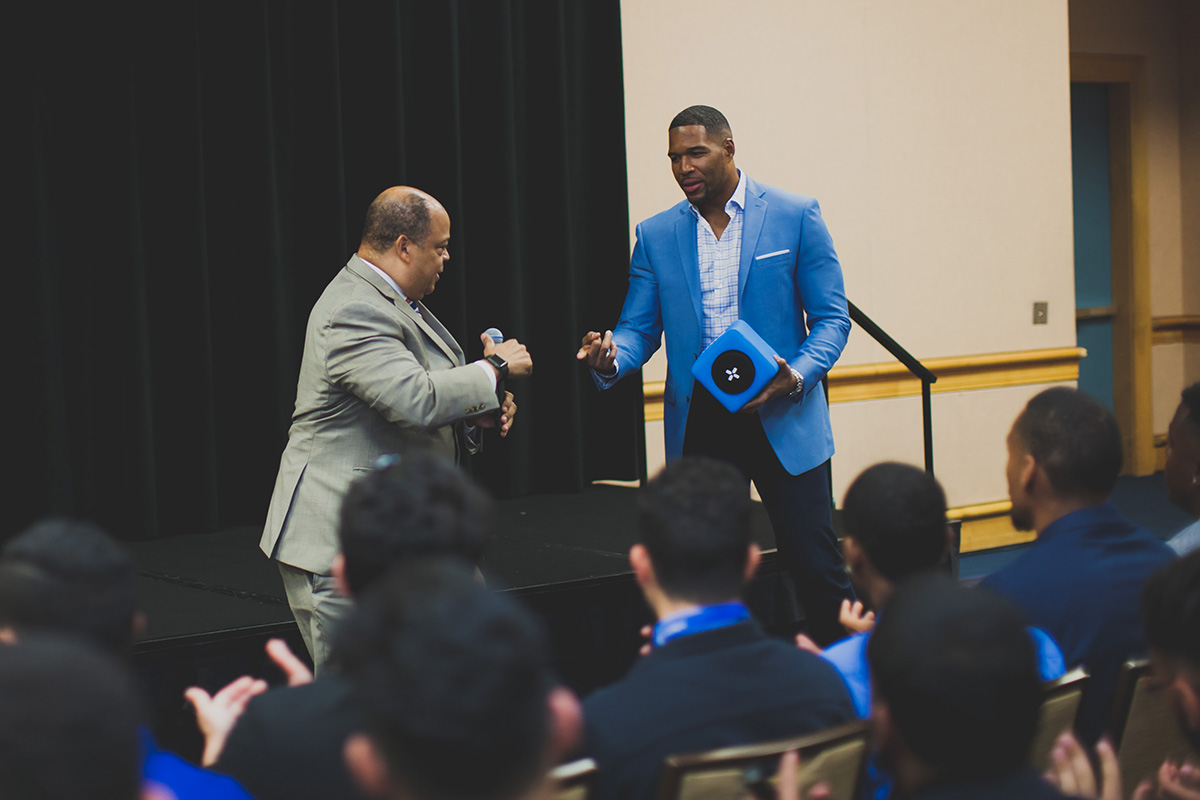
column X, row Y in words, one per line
column 719, row 260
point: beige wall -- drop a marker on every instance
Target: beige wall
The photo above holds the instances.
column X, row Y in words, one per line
column 1189, row 152
column 1166, row 33
column 936, row 135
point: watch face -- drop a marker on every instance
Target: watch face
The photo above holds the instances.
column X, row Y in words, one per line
column 732, row 372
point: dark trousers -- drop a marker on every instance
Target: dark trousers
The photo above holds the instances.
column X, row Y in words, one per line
column 798, row 506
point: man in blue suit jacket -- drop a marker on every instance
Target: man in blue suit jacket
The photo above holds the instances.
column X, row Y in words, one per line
column 737, row 249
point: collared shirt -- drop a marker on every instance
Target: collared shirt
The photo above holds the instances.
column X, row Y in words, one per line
column 699, row 620
column 719, row 260
column 485, row 366
column 1186, row 540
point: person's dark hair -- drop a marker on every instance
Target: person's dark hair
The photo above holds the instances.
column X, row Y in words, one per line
column 71, row 577
column 1171, row 610
column 897, row 514
column 419, row 505
column 958, row 670
column 1075, row 439
column 389, row 216
column 714, row 121
column 69, row 721
column 453, row 680
column 1191, row 401
column 694, row 520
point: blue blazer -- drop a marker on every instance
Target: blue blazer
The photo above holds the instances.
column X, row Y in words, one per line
column 789, row 291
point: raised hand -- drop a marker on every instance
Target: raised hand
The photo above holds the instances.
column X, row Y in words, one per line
column 295, row 670
column 854, row 620
column 217, row 715
column 598, row 352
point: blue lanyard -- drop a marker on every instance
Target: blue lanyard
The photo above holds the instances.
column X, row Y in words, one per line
column 703, row 619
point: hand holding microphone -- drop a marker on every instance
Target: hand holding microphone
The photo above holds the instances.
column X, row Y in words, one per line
column 520, row 363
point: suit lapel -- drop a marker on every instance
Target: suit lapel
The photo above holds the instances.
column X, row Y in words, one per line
column 689, row 259
column 431, row 324
column 752, row 225
column 428, row 323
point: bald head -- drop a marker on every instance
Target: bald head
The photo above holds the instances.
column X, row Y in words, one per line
column 400, row 210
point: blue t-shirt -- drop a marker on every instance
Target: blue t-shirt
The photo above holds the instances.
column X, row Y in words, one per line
column 849, row 656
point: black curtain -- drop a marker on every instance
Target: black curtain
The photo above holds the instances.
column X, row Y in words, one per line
column 189, row 176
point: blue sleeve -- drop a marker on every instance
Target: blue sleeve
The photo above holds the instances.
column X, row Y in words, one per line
column 849, row 658
column 822, row 290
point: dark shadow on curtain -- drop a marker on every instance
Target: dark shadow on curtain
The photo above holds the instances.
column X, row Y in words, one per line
column 189, row 177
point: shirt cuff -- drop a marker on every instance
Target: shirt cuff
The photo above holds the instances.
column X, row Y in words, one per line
column 605, row 381
column 490, row 370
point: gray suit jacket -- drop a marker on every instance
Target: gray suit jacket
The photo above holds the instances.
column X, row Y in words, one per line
column 376, row 378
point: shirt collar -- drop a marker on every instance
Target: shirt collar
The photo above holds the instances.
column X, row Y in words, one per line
column 1083, row 518
column 386, row 277
column 736, row 202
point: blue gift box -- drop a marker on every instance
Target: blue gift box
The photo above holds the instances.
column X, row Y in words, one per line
column 736, row 366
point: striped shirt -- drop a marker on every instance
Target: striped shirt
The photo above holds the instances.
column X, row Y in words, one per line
column 719, row 260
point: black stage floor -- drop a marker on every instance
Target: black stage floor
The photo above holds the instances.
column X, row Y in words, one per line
column 213, row 600
column 197, row 586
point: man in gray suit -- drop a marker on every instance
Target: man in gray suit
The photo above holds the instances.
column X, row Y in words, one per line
column 380, row 375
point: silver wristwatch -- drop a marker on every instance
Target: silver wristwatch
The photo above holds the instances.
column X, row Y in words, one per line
column 797, row 394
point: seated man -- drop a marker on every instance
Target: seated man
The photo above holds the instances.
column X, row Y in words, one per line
column 1171, row 613
column 71, row 578
column 1182, row 467
column 895, row 521
column 458, row 698
column 957, row 694
column 1080, row 580
column 68, row 724
column 417, row 505
column 713, row 678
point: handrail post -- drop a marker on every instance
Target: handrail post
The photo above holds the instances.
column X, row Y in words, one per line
column 927, row 422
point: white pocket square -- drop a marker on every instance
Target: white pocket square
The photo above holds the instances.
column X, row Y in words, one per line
column 770, row 255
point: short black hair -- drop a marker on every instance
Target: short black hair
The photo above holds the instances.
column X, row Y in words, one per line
column 1074, row 438
column 1171, row 610
column 453, row 681
column 958, row 670
column 1191, row 401
column 69, row 720
column 897, row 514
column 420, row 504
column 694, row 520
column 69, row 576
column 714, row 121
column 389, row 216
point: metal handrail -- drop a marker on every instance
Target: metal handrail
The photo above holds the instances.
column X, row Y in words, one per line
column 914, row 366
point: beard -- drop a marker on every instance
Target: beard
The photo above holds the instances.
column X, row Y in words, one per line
column 1022, row 519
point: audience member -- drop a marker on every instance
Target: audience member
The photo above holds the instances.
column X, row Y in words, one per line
column 68, row 723
column 957, row 694
column 1182, row 468
column 895, row 522
column 458, row 699
column 1171, row 613
column 1080, row 580
column 713, row 677
column 71, row 578
column 417, row 505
